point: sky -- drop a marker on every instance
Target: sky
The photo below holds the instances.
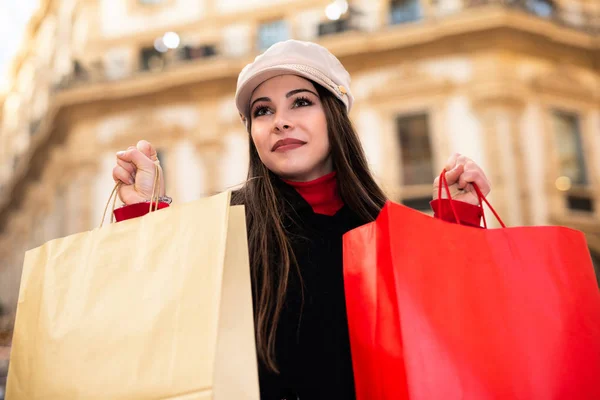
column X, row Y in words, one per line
column 14, row 16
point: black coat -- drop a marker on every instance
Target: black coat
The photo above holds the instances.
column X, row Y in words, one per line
column 312, row 345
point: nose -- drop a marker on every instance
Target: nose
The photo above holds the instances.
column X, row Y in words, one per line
column 282, row 124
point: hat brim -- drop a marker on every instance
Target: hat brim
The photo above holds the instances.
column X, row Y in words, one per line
column 247, row 89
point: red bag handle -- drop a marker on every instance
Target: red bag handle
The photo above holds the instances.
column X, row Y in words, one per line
column 480, row 197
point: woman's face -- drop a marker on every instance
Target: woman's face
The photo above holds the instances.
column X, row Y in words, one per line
column 289, row 128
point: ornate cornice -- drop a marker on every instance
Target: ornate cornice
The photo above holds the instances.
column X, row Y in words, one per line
column 409, row 81
column 564, row 82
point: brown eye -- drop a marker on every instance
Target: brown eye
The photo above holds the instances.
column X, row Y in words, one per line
column 260, row 111
column 302, row 102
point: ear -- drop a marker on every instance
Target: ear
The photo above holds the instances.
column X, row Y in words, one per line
column 244, row 120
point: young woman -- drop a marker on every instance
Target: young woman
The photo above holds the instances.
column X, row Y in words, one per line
column 308, row 184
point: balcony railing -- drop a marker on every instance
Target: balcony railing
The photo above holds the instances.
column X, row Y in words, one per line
column 585, row 19
column 400, row 12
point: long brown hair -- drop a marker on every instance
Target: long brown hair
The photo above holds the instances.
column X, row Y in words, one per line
column 271, row 254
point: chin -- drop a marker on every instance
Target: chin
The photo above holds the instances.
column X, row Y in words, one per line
column 298, row 170
column 291, row 174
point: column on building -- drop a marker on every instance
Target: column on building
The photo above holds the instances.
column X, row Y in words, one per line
column 211, row 155
column 188, row 182
column 499, row 114
column 594, row 162
column 222, row 146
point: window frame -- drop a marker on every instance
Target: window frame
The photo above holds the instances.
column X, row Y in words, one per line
column 407, row 90
column 579, row 137
column 407, row 116
column 346, row 20
column 422, row 13
column 558, row 200
column 135, row 7
column 140, row 58
column 391, row 175
column 260, row 24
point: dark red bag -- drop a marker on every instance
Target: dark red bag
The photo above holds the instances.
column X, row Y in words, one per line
column 442, row 311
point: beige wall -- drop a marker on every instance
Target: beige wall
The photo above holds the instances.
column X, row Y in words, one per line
column 126, row 17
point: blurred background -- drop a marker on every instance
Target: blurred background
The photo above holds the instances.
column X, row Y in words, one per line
column 513, row 84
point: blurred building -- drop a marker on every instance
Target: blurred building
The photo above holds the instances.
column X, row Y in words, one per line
column 514, row 84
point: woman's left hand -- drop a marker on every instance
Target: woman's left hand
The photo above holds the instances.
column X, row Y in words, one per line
column 461, row 173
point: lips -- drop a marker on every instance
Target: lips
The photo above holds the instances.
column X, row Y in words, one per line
column 287, row 142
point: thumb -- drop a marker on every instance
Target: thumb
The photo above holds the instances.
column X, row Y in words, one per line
column 147, row 149
column 137, row 158
column 451, row 163
column 454, row 174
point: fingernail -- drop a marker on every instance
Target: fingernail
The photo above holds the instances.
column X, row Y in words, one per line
column 120, row 153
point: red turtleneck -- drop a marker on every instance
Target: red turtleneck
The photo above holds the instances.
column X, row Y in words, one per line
column 322, row 193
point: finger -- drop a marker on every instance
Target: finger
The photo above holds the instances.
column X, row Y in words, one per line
column 120, row 174
column 463, row 160
column 137, row 158
column 464, row 179
column 127, row 166
column 451, row 163
column 147, row 149
column 477, row 176
column 454, row 174
column 474, row 176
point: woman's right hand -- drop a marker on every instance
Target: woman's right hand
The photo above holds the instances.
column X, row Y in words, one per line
column 136, row 171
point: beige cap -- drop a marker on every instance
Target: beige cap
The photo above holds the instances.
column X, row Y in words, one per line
column 305, row 59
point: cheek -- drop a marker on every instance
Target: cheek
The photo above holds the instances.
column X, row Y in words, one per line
column 259, row 137
column 323, row 138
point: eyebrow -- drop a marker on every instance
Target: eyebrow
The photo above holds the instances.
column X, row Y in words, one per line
column 287, row 96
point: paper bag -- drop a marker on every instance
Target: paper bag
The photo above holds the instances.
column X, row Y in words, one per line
column 157, row 307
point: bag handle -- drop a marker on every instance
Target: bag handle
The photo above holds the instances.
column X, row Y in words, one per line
column 153, row 200
column 480, row 197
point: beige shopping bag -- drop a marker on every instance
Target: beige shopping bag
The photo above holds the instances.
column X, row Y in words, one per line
column 158, row 307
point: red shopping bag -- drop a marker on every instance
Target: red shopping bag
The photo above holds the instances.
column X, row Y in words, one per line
column 442, row 311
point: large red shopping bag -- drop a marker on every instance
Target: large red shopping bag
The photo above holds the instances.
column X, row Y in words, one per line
column 442, row 311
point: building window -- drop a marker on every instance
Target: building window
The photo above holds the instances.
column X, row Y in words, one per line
column 416, row 160
column 569, row 147
column 79, row 71
column 573, row 175
column 116, row 66
column 596, row 263
column 34, row 126
column 151, row 59
column 196, row 52
column 542, row 8
column 415, row 149
column 403, row 11
column 272, row 32
column 333, row 27
column 580, row 203
column 421, row 203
